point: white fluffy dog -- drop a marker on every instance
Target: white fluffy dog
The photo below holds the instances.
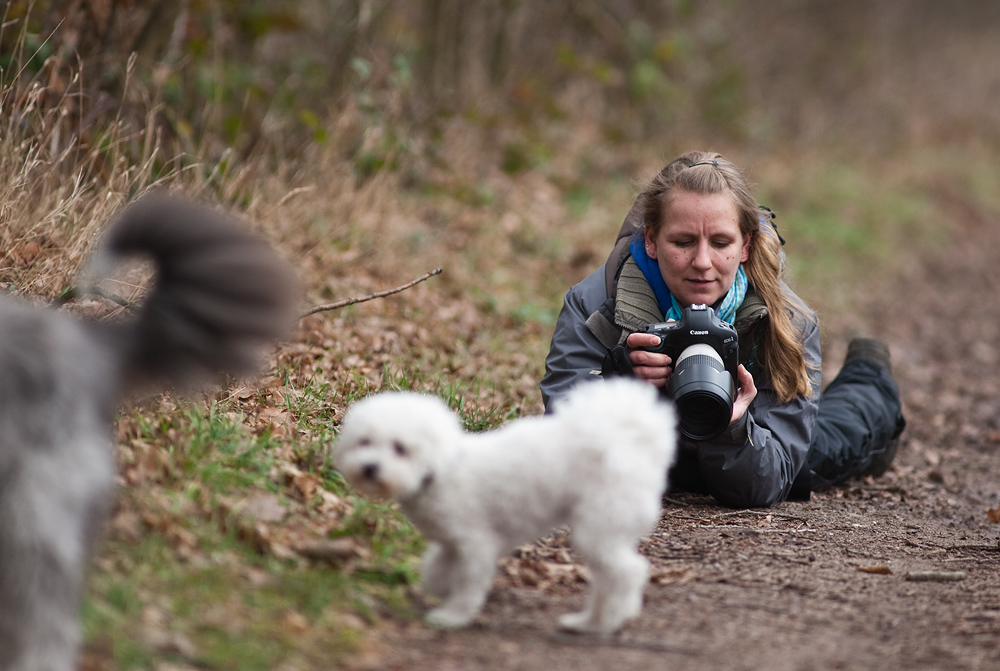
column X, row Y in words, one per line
column 597, row 464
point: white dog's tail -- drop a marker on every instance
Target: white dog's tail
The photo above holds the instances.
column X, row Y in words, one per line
column 220, row 293
column 631, row 409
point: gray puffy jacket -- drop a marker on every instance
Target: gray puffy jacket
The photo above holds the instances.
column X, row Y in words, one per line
column 755, row 461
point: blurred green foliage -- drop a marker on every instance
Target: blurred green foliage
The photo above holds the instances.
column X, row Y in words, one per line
column 270, row 77
column 273, row 77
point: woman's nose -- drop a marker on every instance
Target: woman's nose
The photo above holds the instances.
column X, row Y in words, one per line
column 702, row 257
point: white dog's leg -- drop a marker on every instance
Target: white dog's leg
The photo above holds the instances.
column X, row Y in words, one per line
column 618, row 578
column 437, row 570
column 468, row 583
column 623, row 599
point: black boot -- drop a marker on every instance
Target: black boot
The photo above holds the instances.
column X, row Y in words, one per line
column 871, row 350
column 876, row 352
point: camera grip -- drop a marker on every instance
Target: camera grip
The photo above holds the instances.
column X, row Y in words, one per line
column 617, row 362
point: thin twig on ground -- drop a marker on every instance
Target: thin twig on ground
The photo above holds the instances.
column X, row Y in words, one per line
column 378, row 294
column 75, row 292
column 615, row 642
column 760, row 514
column 893, row 489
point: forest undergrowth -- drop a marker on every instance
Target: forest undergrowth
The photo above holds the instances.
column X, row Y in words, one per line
column 234, row 544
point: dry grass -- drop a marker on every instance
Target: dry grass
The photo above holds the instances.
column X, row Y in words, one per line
column 61, row 184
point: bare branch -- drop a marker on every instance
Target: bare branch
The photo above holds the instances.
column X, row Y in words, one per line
column 75, row 292
column 379, row 294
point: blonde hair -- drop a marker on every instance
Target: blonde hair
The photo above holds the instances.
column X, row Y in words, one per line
column 782, row 352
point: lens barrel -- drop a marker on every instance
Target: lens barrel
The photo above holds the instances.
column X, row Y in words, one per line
column 703, row 392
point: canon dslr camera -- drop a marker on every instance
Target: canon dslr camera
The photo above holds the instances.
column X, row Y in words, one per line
column 704, row 355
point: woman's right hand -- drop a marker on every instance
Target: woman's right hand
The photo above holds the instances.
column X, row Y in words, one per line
column 651, row 366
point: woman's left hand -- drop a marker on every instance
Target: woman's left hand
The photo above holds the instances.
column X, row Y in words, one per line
column 748, row 392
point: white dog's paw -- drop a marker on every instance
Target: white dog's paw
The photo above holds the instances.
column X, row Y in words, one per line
column 587, row 622
column 578, row 622
column 446, row 618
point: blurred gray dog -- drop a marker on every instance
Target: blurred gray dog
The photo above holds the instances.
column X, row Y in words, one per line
column 220, row 294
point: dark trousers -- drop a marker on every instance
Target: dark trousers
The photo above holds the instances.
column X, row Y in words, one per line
column 859, row 415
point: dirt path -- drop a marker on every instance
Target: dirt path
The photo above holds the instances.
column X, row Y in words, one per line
column 816, row 585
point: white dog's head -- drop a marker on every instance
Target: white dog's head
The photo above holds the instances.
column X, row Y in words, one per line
column 395, row 444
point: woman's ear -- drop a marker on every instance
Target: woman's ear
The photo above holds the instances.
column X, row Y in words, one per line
column 650, row 243
column 745, row 250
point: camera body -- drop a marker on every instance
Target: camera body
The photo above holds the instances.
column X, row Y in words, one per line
column 704, row 355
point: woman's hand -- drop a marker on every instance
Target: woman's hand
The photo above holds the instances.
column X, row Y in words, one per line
column 748, row 392
column 651, row 366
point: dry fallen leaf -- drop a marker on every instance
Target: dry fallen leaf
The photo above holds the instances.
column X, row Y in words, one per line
column 295, row 621
column 994, row 515
column 306, row 483
column 262, row 507
column 26, row 252
column 671, row 576
column 127, row 525
column 330, row 549
column 880, row 569
column 765, row 521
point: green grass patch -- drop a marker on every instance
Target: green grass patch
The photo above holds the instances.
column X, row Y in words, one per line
column 238, row 611
column 194, row 584
column 207, row 446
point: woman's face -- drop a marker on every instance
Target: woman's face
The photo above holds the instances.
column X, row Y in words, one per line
column 698, row 247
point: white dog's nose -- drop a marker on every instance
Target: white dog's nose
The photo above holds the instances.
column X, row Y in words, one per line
column 370, row 471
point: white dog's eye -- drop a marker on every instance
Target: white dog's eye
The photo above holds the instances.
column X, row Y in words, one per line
column 364, row 442
column 400, row 448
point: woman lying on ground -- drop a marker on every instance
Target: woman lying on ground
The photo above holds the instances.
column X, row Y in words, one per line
column 696, row 235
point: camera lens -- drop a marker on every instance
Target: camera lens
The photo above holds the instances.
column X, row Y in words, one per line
column 703, row 391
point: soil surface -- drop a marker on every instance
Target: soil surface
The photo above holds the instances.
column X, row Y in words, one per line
column 825, row 584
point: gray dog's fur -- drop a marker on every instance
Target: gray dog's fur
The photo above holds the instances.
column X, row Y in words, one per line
column 220, row 294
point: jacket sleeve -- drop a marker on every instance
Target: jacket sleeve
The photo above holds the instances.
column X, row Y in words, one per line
column 754, row 463
column 575, row 353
